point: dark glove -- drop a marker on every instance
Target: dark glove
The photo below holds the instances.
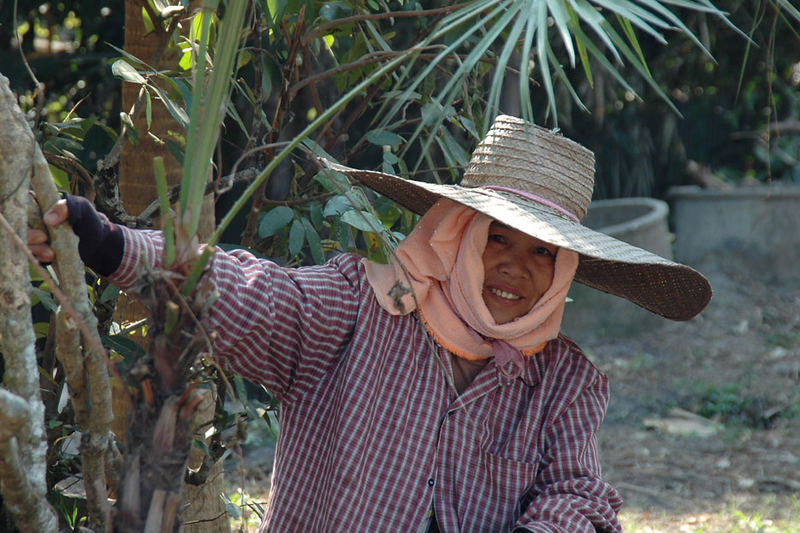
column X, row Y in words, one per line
column 101, row 243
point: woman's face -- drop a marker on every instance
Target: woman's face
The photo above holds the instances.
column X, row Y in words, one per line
column 518, row 271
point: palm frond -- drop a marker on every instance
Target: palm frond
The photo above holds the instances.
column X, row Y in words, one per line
column 525, row 25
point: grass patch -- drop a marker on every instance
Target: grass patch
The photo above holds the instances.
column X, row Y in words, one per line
column 770, row 516
column 731, row 405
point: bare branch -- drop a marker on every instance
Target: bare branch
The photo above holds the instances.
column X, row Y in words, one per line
column 23, row 446
column 27, row 504
column 91, row 396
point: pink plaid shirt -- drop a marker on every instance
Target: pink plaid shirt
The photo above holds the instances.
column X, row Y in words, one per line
column 372, row 437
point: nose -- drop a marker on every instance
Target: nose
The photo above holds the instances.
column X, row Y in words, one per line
column 512, row 264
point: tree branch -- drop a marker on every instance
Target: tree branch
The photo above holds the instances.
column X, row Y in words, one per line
column 90, row 388
column 21, row 496
column 22, row 469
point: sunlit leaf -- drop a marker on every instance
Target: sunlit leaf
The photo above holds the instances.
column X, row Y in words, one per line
column 124, row 71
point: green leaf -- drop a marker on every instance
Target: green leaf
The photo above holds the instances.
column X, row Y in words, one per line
column 274, row 220
column 469, row 125
column 123, row 346
column 383, row 138
column 315, row 212
column 41, row 329
column 314, row 244
column 109, row 293
column 336, row 206
column 124, row 71
column 387, row 210
column 46, row 299
column 332, row 181
column 130, row 57
column 149, row 26
column 185, row 62
column 61, row 178
column 208, row 103
column 793, row 11
column 454, row 149
column 176, row 150
column 341, row 233
column 167, row 216
column 334, row 10
column 390, row 158
column 275, row 8
column 630, row 34
column 177, row 112
column 240, row 389
column 296, row 237
column 362, row 220
column 130, row 129
column 148, row 110
column 559, row 12
column 233, row 510
column 63, row 146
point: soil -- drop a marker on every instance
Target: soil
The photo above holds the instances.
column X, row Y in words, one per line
column 705, row 415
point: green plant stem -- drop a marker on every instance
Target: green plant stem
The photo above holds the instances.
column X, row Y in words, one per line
column 166, row 213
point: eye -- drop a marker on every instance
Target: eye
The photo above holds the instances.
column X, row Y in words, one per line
column 544, row 251
column 497, row 237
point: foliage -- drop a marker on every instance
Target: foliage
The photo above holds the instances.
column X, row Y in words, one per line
column 738, row 109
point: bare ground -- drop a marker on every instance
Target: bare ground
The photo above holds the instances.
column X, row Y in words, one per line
column 705, row 415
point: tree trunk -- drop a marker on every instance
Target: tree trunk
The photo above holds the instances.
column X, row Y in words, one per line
column 204, row 508
column 23, row 445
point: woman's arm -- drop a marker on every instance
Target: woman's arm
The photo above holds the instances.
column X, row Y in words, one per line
column 570, row 495
column 280, row 327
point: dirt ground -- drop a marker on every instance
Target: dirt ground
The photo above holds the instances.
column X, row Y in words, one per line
column 705, row 415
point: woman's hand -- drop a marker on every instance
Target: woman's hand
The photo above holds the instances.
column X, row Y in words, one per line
column 100, row 241
column 39, row 240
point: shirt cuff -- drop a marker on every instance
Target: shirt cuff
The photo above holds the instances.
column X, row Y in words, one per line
column 142, row 251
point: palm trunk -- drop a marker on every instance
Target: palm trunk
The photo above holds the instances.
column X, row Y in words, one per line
column 138, row 190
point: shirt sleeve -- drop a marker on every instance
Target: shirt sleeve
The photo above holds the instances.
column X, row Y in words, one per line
column 280, row 327
column 570, row 495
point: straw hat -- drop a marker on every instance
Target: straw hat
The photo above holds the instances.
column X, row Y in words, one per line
column 541, row 183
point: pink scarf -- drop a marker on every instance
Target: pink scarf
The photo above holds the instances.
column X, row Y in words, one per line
column 438, row 268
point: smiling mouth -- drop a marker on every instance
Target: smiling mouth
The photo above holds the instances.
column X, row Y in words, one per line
column 503, row 294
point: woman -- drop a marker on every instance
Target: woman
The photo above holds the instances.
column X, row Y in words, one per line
column 433, row 393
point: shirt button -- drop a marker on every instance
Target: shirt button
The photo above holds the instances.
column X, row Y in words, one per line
column 430, row 482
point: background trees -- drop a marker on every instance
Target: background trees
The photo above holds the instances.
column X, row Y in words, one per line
column 378, row 85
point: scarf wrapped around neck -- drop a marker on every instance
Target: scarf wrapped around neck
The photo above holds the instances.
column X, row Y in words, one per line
column 438, row 268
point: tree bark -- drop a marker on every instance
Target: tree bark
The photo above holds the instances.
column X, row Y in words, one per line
column 85, row 368
column 137, row 188
column 23, row 444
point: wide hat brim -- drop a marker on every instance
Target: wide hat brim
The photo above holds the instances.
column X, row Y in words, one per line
column 664, row 287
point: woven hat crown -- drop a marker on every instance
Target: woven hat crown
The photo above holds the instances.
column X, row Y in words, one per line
column 518, row 155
